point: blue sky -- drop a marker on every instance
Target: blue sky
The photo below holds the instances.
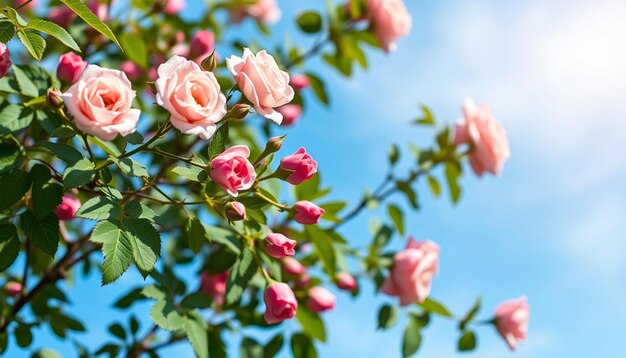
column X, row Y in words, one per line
column 552, row 227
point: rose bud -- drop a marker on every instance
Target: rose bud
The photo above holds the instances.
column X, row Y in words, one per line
column 239, row 111
column 131, row 69
column 68, row 208
column 280, row 303
column 71, row 67
column 346, row 282
column 280, row 246
column 293, row 267
column 262, row 82
column 232, row 171
column 54, row 100
column 490, row 146
column 174, row 6
column 307, row 213
column 5, row 60
column 291, row 113
column 13, row 288
column 202, row 44
column 274, row 144
column 302, row 165
column 235, row 211
column 320, row 299
column 214, row 285
column 209, row 63
column 413, row 271
column 300, row 82
column 391, row 21
column 511, row 320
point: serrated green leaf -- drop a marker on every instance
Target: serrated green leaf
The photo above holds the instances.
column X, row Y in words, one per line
column 139, row 210
column 79, row 173
column 13, row 186
column 311, row 323
column 54, row 30
column 43, row 233
column 14, row 119
column 242, row 272
column 131, row 167
column 46, row 197
column 7, row 30
column 145, row 242
column 35, row 44
column 65, row 152
column 196, row 234
column 116, row 248
column 90, row 18
column 99, row 208
column 218, row 143
column 11, row 154
column 196, row 330
column 9, row 245
column 27, row 87
column 165, row 314
column 191, row 173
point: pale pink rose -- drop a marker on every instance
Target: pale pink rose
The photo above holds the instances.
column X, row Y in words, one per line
column 70, row 68
column 232, row 171
column 300, row 82
column 291, row 113
column 346, row 282
column 192, row 96
column 302, row 165
column 13, row 289
column 214, row 285
column 5, row 60
column 100, row 103
column 262, row 82
column 174, row 6
column 100, row 9
column 320, row 299
column 307, row 213
column 293, row 267
column 413, row 271
column 280, row 303
column 62, row 15
column 181, row 50
column 29, row 7
column 132, row 70
column 235, row 211
column 266, row 11
column 391, row 21
column 490, row 145
column 279, row 246
column 202, row 44
column 511, row 320
column 68, row 208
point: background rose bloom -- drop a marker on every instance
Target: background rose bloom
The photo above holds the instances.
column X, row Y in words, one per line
column 68, row 208
column 214, row 285
column 391, row 21
column 174, row 6
column 5, row 60
column 191, row 95
column 320, row 299
column 100, row 102
column 202, row 44
column 132, row 70
column 232, row 171
column 266, row 11
column 293, row 267
column 291, row 113
column 264, row 84
column 490, row 145
column 302, row 165
column 413, row 271
column 511, row 319
column 280, row 303
column 345, row 281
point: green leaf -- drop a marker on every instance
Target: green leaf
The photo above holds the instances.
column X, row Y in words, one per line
column 7, row 30
column 387, row 316
column 396, row 216
column 90, row 18
column 324, row 248
column 273, row 346
column 191, row 173
column 23, row 336
column 145, row 242
column 139, row 210
column 434, row 306
column 310, row 22
column 218, row 143
column 318, row 87
column 13, row 186
column 65, row 152
column 217, row 349
column 11, row 154
column 9, row 245
column 116, row 248
column 250, row 348
column 27, row 87
column 196, row 300
column 131, row 167
column 99, row 208
column 453, row 173
column 54, row 30
column 34, row 43
column 165, row 314
column 412, row 338
column 118, row 331
column 46, row 353
column 311, row 323
column 46, row 197
column 408, row 192
column 470, row 314
column 435, row 188
column 196, row 329
column 302, row 346
column 467, row 342
column 135, row 48
column 44, row 233
column 427, row 117
column 79, row 173
column 242, row 272
column 196, row 234
column 14, row 119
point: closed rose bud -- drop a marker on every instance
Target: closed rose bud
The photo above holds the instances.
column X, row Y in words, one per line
column 68, row 208
column 320, row 299
column 390, row 20
column 235, row 211
column 239, row 111
column 13, row 289
column 5, row 60
column 232, row 171
column 291, row 113
column 54, row 100
column 131, row 69
column 202, row 44
column 307, row 213
column 174, row 6
column 280, row 303
column 511, row 320
column 345, row 281
column 302, row 165
column 293, row 267
column 300, row 82
column 209, row 63
column 214, row 285
column 279, row 246
column 71, row 67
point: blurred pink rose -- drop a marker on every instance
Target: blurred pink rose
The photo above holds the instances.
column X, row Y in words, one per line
column 320, row 299
column 13, row 289
column 490, row 145
column 279, row 246
column 62, row 15
column 70, row 67
column 280, row 303
column 291, row 113
column 132, row 70
column 100, row 103
column 307, row 213
column 302, row 165
column 300, row 82
column 100, row 9
column 232, row 171
column 214, row 285
column 293, row 267
column 266, row 11
column 413, row 271
column 68, row 208
column 391, row 21
column 345, row 281
column 263, row 83
column 174, row 6
column 5, row 60
column 511, row 320
column 191, row 95
column 235, row 211
column 202, row 44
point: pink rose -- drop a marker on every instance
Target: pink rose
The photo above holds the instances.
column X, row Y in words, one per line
column 307, row 213
column 71, row 66
column 174, row 6
column 490, row 146
column 132, row 70
column 266, row 11
column 413, row 271
column 62, row 15
column 214, row 285
column 202, row 44
column 291, row 113
column 100, row 103
column 320, row 299
column 346, row 282
column 13, row 289
column 235, row 211
column 391, row 21
column 511, row 320
column 262, row 82
column 293, row 267
column 232, row 171
column 5, row 60
column 280, row 303
column 302, row 165
column 191, row 95
column 279, row 246
column 300, row 82
column 68, row 208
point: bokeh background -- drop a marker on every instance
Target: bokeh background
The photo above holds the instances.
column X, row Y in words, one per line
column 552, row 227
